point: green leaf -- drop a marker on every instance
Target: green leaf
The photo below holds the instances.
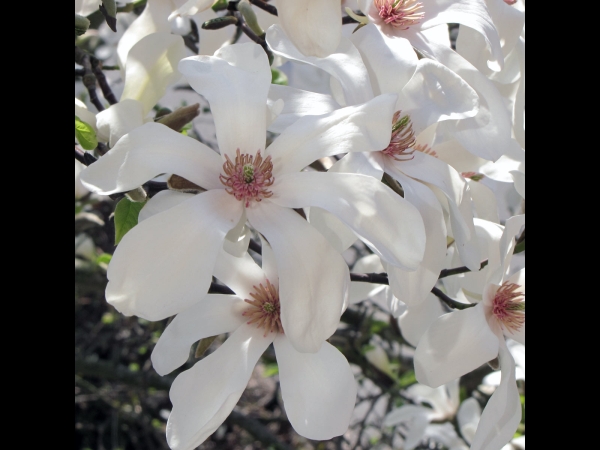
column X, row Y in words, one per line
column 220, row 5
column 103, row 258
column 126, row 217
column 270, row 370
column 278, row 77
column 85, row 134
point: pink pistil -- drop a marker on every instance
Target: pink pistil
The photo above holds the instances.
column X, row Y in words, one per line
column 264, row 310
column 509, row 306
column 403, row 139
column 400, row 13
column 248, row 177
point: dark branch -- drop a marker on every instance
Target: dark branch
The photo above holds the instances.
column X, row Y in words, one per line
column 89, row 79
column 377, row 278
column 458, row 270
column 449, row 301
column 255, row 247
column 106, row 90
column 347, row 20
column 80, row 156
column 264, row 6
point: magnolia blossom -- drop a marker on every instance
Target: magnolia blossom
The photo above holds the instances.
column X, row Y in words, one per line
column 318, row 389
column 162, row 264
column 369, row 64
column 411, row 18
column 461, row 341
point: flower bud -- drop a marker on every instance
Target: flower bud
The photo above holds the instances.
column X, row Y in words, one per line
column 81, row 24
column 246, row 10
column 180, row 117
column 219, row 22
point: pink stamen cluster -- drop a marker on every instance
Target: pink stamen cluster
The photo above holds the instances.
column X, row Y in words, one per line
column 475, row 176
column 509, row 306
column 400, row 13
column 264, row 310
column 403, row 139
column 424, row 148
column 248, row 177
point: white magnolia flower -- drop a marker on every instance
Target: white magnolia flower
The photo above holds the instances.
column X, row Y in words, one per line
column 370, row 64
column 149, row 70
column 318, row 389
column 161, row 264
column 410, row 19
column 461, row 341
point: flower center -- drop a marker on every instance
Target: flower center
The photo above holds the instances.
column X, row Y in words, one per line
column 264, row 309
column 509, row 306
column 400, row 13
column 403, row 139
column 248, row 177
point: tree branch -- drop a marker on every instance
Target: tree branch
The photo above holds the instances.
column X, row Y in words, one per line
column 264, row 6
column 458, row 270
column 451, row 302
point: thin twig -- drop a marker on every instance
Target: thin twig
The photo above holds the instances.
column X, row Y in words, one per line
column 458, row 270
column 264, row 6
column 80, row 156
column 377, row 278
column 106, row 90
column 451, row 302
column 89, row 79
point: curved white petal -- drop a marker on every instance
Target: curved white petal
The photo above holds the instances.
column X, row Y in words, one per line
column 435, row 94
column 313, row 277
column 165, row 264
column 519, row 178
column 151, row 67
column 413, row 287
column 191, row 7
column 162, row 201
column 318, row 389
column 240, row 274
column 502, row 414
column 431, row 170
column 335, row 231
column 148, row 151
column 118, row 120
column 488, row 134
column 315, row 26
column 366, row 127
column 205, row 395
column 453, row 345
column 269, row 263
column 153, row 19
column 484, row 201
column 211, row 316
column 84, row 114
column 391, row 61
column 86, row 7
column 345, row 64
column 417, row 318
column 472, row 13
column 236, row 82
column 508, row 243
column 468, row 417
column 386, row 222
column 298, row 103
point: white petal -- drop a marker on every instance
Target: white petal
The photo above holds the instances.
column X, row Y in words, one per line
column 345, row 64
column 86, row 7
column 153, row 19
column 236, row 83
column 431, row 170
column 413, row 287
column 119, row 119
column 417, row 318
column 211, row 316
column 435, row 94
column 519, row 178
column 318, row 389
column 269, row 263
column 298, row 103
column 507, row 246
column 468, row 417
column 165, row 264
column 367, row 127
column 391, row 62
column 313, row 277
column 335, row 231
column 415, row 420
column 148, row 151
column 191, row 7
column 484, row 201
column 151, row 67
column 502, row 414
column 386, row 222
column 238, row 238
column 453, row 345
column 162, row 201
column 240, row 274
column 472, row 13
column 315, row 26
column 84, row 114
column 205, row 395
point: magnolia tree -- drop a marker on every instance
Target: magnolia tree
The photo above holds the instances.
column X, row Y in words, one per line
column 325, row 194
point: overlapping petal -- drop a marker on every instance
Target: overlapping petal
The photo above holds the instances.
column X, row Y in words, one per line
column 418, row 317
column 118, row 120
column 205, row 395
column 236, row 82
column 213, row 315
column 318, row 389
column 313, row 277
column 386, row 222
column 453, row 345
column 148, row 151
column 165, row 264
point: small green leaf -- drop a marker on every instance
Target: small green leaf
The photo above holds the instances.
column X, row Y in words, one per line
column 270, row 370
column 126, row 217
column 278, row 77
column 220, row 5
column 104, row 258
column 85, row 134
